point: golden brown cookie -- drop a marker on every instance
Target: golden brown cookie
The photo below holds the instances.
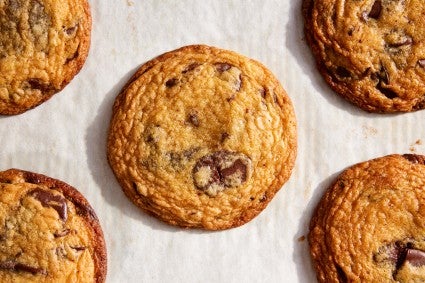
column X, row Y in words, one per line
column 48, row 232
column 202, row 137
column 370, row 52
column 370, row 224
column 43, row 45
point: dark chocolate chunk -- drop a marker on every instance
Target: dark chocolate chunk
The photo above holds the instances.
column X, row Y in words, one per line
column 389, row 93
column 16, row 266
column 342, row 72
column 63, row 233
column 70, row 30
column 237, row 170
column 38, row 84
column 48, row 199
column 79, row 248
column 342, row 277
column 406, row 41
column 223, row 169
column 415, row 257
column 171, row 82
column 415, row 159
column 191, row 67
column 421, row 63
column 376, row 9
column 224, row 136
column 383, row 75
column 222, row 67
column 263, row 92
column 193, row 119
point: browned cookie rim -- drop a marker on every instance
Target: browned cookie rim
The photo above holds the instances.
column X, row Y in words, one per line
column 83, row 209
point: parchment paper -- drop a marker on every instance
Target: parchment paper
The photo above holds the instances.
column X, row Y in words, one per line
column 65, row 138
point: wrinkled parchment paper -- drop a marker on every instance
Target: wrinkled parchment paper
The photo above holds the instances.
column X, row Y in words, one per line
column 65, row 138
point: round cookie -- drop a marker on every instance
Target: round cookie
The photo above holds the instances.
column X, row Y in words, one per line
column 370, row 224
column 370, row 52
column 48, row 232
column 202, row 137
column 43, row 45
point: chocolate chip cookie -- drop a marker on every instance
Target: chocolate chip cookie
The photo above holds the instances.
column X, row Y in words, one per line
column 370, row 224
column 370, row 52
column 48, row 232
column 202, row 137
column 43, row 45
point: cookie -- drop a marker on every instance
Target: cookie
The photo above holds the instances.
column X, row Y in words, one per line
column 370, row 52
column 370, row 224
column 43, row 45
column 202, row 137
column 48, row 232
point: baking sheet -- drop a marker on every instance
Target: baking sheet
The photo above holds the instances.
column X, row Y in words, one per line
column 65, row 138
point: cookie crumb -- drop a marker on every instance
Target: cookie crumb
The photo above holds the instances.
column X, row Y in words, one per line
column 301, row 239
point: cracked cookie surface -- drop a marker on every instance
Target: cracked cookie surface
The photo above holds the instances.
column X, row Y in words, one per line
column 370, row 52
column 202, row 137
column 370, row 224
column 48, row 232
column 43, row 45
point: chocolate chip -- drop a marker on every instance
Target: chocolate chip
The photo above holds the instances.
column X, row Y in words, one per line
column 171, row 82
column 222, row 67
column 376, row 9
column 342, row 277
column 420, row 104
column 421, row 63
column 48, row 199
column 40, row 85
column 78, row 249
column 70, row 30
column 234, row 175
column 191, row 67
column 342, row 72
column 193, row 119
column 263, row 92
column 389, row 93
column 415, row 159
column 383, row 75
column 20, row 267
column 263, row 198
column 415, row 257
column 206, row 173
column 224, row 136
column 135, row 188
column 32, row 178
column 220, row 170
column 405, row 41
column 63, row 233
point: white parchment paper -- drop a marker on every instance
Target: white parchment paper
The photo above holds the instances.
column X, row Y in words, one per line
column 65, row 138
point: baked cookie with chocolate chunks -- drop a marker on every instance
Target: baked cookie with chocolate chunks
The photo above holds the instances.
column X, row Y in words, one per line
column 43, row 45
column 202, row 137
column 48, row 232
column 370, row 52
column 370, row 224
